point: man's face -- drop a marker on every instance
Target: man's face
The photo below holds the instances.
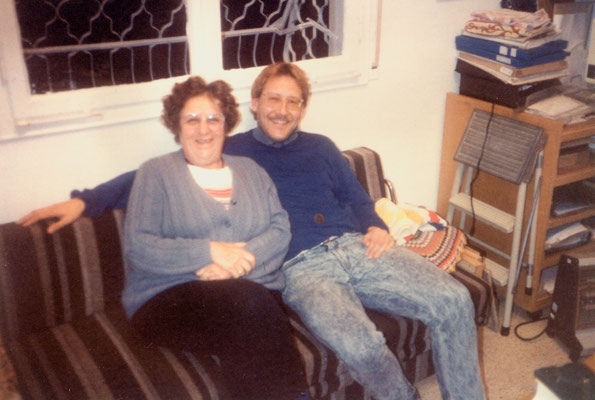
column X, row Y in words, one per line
column 279, row 108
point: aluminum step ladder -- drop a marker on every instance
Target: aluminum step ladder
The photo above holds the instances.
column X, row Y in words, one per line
column 509, row 150
column 504, row 222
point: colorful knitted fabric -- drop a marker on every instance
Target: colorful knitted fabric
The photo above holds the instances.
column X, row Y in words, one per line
column 422, row 231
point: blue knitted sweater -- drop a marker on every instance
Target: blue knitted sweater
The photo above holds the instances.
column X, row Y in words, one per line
column 314, row 181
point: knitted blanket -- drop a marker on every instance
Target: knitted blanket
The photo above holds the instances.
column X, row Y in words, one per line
column 423, row 231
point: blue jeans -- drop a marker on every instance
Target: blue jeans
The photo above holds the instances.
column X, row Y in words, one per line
column 328, row 286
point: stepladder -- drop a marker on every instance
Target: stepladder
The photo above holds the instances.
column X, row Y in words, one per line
column 507, row 150
column 507, row 223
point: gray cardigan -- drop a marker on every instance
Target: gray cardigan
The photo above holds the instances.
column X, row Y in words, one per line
column 170, row 222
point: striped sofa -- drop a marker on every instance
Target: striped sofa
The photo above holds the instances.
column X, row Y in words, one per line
column 65, row 331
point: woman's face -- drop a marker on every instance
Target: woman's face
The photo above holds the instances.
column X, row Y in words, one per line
column 202, row 132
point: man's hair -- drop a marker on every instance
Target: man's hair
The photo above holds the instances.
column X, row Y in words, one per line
column 282, row 69
column 219, row 91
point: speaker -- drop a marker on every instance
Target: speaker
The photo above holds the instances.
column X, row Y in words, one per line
column 572, row 316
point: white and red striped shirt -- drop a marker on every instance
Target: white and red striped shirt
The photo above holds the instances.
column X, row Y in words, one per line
column 216, row 182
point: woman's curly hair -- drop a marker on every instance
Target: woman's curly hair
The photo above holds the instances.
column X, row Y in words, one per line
column 220, row 91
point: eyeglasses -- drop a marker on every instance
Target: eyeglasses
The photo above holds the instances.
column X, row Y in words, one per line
column 214, row 121
column 274, row 100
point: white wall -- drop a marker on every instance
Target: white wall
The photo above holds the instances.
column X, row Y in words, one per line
column 399, row 114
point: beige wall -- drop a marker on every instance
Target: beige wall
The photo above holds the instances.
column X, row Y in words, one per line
column 399, row 114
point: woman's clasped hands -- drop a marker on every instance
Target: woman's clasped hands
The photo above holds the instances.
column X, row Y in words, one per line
column 230, row 261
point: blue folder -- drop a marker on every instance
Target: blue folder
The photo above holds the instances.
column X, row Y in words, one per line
column 471, row 44
column 518, row 62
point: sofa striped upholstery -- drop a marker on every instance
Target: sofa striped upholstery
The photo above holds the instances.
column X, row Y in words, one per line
column 66, row 333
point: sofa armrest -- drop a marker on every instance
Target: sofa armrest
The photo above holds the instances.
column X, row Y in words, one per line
column 392, row 195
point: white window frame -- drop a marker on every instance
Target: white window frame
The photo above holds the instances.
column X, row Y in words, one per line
column 38, row 114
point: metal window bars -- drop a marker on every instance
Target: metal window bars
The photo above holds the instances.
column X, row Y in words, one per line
column 70, row 44
column 74, row 44
column 262, row 32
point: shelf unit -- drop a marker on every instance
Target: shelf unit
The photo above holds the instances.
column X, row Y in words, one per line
column 502, row 194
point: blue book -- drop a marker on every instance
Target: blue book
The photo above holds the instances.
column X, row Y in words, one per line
column 519, row 62
column 470, row 44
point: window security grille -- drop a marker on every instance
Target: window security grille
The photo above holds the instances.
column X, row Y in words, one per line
column 261, row 32
column 75, row 44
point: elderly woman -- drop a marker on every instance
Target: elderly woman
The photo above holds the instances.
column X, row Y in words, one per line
column 205, row 236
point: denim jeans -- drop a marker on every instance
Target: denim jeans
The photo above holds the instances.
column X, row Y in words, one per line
column 329, row 285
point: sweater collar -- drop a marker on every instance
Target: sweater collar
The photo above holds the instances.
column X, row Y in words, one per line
column 260, row 136
column 227, row 159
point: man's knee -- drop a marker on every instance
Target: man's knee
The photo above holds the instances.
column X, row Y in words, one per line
column 370, row 352
column 456, row 302
column 295, row 292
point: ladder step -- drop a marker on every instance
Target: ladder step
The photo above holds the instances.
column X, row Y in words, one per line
column 485, row 212
column 498, row 272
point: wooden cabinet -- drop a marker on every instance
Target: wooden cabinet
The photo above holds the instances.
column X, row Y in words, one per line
column 502, row 194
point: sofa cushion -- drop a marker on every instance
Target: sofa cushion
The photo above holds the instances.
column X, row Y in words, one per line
column 99, row 357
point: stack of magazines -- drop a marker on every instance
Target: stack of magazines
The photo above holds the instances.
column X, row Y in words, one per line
column 568, row 103
column 567, row 237
column 510, row 57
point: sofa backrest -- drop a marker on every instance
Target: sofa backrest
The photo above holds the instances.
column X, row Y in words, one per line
column 47, row 280
column 367, row 167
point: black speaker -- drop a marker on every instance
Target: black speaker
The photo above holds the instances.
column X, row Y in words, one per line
column 572, row 316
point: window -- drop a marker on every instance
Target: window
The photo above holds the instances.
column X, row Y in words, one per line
column 74, row 44
column 61, row 73
column 261, row 33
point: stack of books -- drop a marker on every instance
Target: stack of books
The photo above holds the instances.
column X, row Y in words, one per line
column 510, row 57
